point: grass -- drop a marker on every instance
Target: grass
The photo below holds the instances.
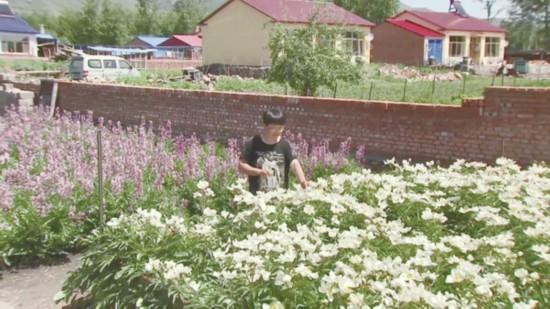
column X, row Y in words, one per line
column 32, row 65
column 373, row 87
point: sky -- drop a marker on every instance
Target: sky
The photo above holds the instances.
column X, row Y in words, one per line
column 473, row 7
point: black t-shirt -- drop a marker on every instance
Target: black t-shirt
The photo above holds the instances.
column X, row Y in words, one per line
column 275, row 157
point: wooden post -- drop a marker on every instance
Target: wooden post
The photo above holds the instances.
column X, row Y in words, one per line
column 370, row 90
column 100, row 178
column 53, row 99
column 405, row 91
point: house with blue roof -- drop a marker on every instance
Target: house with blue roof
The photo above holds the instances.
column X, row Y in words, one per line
column 17, row 37
column 149, row 42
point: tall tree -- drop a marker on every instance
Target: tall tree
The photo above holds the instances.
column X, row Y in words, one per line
column 376, row 11
column 188, row 14
column 489, row 6
column 113, row 28
column 147, row 20
column 538, row 11
column 87, row 30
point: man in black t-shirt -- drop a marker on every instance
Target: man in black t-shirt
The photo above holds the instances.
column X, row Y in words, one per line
column 267, row 158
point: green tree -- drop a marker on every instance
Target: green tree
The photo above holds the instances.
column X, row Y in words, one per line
column 67, row 27
column 113, row 27
column 537, row 12
column 87, row 30
column 147, row 18
column 376, row 11
column 521, row 31
column 36, row 19
column 306, row 58
column 188, row 14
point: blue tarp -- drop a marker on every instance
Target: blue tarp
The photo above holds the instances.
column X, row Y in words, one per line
column 121, row 51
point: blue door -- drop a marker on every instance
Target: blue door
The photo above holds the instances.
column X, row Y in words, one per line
column 435, row 49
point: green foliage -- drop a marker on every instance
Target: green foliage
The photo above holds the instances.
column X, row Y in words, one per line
column 31, row 65
column 529, row 24
column 108, row 22
column 376, row 11
column 147, row 17
column 187, row 15
column 112, row 28
column 307, row 58
column 28, row 238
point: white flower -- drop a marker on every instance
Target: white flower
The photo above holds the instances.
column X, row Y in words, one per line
column 282, row 278
column 309, row 210
column 356, row 301
column 197, row 195
column 229, row 275
column 542, row 251
column 521, row 273
column 305, row 272
column 152, row 265
column 530, row 305
column 195, row 286
column 273, row 305
column 202, row 185
column 427, row 214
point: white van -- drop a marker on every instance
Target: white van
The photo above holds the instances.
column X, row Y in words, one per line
column 98, row 68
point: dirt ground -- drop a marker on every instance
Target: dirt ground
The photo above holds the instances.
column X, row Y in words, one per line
column 34, row 288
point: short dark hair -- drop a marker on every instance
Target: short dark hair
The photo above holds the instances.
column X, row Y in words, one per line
column 274, row 116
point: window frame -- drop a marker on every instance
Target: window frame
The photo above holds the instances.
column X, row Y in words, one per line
column 97, row 61
column 108, row 67
column 354, row 43
column 457, row 47
column 492, row 47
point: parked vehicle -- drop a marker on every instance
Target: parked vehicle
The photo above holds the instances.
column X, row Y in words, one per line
column 100, row 68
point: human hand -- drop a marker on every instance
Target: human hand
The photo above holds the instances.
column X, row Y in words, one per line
column 265, row 173
column 304, row 183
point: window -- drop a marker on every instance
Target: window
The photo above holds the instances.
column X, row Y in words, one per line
column 124, row 65
column 492, row 47
column 354, row 43
column 94, row 64
column 456, row 46
column 109, row 64
column 76, row 64
column 12, row 46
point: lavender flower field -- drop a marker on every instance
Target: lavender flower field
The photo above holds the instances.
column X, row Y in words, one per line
column 48, row 176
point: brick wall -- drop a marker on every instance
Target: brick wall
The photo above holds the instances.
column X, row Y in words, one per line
column 392, row 44
column 510, row 122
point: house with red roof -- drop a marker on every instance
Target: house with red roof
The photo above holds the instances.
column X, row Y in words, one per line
column 419, row 37
column 183, row 46
column 238, row 32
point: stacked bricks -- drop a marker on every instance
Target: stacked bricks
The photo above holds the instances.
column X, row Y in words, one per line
column 508, row 122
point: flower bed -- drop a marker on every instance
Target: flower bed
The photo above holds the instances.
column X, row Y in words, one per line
column 467, row 236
